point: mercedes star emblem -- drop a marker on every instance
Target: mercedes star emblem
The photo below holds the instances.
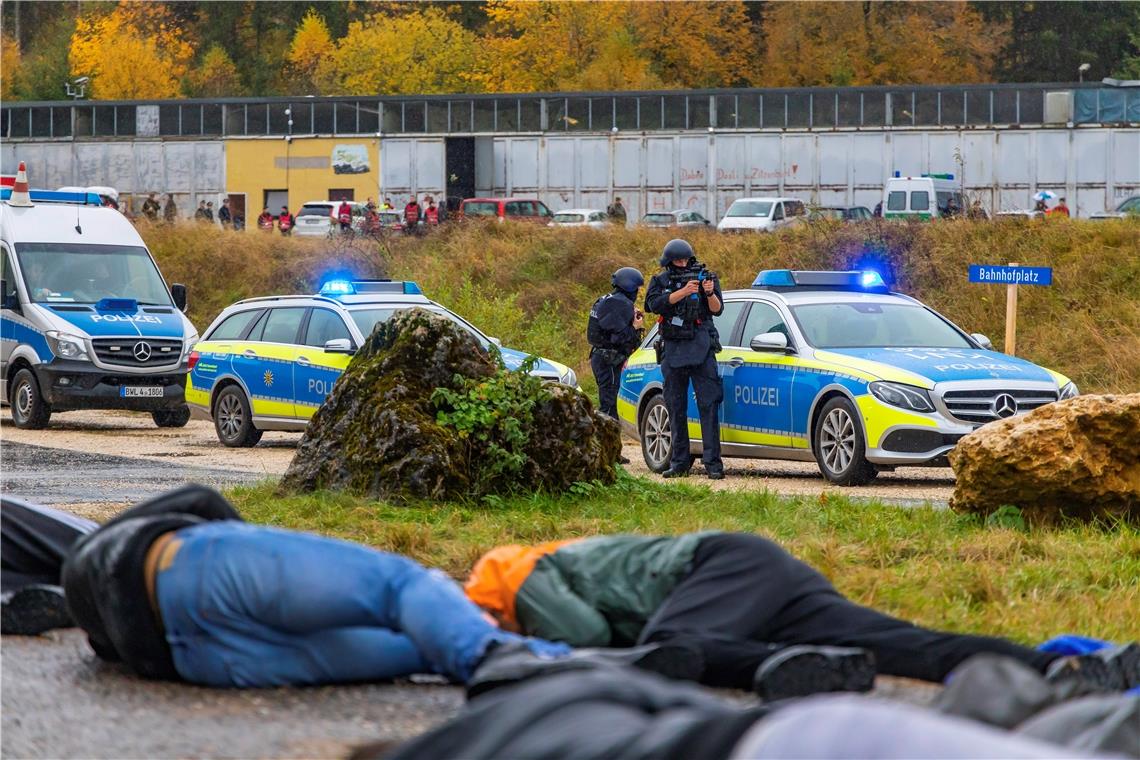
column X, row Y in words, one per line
column 142, row 350
column 1004, row 405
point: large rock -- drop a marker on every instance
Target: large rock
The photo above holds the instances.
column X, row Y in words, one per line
column 1078, row 458
column 377, row 432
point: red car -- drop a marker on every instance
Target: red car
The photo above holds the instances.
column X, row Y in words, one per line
column 515, row 209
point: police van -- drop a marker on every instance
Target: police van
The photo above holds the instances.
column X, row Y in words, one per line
column 928, row 196
column 87, row 322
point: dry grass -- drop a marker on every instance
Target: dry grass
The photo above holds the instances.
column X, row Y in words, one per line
column 532, row 286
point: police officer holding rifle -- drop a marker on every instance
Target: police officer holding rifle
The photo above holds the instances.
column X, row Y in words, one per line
column 614, row 332
column 686, row 296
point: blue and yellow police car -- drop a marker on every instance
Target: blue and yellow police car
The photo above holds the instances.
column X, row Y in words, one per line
column 268, row 363
column 834, row 367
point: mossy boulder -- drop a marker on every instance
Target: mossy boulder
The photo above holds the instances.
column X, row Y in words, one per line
column 379, row 432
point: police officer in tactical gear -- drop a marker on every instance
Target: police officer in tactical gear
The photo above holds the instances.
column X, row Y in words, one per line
column 614, row 332
column 686, row 298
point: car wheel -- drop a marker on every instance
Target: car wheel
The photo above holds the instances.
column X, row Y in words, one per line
column 656, row 435
column 171, row 418
column 839, row 445
column 29, row 410
column 233, row 419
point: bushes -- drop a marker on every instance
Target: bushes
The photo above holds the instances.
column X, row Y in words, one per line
column 532, row 287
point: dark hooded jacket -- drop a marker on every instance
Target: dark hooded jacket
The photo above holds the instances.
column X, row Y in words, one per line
column 104, row 578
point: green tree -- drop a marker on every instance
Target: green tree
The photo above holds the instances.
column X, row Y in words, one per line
column 215, row 76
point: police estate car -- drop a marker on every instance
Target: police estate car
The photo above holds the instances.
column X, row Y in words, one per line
column 268, row 363
column 833, row 367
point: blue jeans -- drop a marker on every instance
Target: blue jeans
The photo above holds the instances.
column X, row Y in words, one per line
column 251, row 606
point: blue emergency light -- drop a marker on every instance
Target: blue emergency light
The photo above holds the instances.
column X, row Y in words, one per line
column 339, row 287
column 55, row 196
column 786, row 279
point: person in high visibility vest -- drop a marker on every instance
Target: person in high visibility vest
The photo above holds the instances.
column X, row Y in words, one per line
column 431, row 213
column 411, row 215
column 285, row 221
column 1061, row 209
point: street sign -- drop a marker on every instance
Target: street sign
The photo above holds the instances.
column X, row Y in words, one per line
column 1011, row 275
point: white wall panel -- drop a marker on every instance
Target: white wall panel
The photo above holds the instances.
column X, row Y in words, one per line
column 834, row 159
column 627, row 163
column 396, row 164
column 694, row 162
column 429, row 170
column 1014, row 160
column 1126, row 157
column 1090, row 156
column 978, row 160
column 524, row 164
column 799, row 160
column 593, row 163
column 560, row 162
column 1052, row 157
column 906, row 154
column 731, row 160
column 868, row 161
column 765, row 161
column 659, row 167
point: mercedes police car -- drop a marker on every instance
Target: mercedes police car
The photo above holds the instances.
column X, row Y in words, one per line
column 835, row 368
column 87, row 321
column 268, row 363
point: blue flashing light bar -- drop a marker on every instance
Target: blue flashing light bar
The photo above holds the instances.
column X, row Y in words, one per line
column 55, row 196
column 868, row 281
column 342, row 287
column 337, row 288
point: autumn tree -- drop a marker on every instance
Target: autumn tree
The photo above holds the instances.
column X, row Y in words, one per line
column 9, row 65
column 136, row 50
column 214, row 76
column 424, row 51
column 696, row 44
column 823, row 43
column 312, row 44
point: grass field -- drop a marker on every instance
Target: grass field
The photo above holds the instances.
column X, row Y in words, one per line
column 935, row 567
column 532, row 286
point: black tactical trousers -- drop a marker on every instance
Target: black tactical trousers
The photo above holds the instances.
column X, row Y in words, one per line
column 746, row 597
column 710, row 392
column 608, row 376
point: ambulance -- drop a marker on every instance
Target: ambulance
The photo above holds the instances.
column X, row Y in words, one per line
column 87, row 321
column 927, row 196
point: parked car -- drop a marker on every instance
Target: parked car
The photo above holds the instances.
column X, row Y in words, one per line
column 682, row 217
column 581, row 217
column 929, row 196
column 840, row 213
column 1127, row 207
column 515, row 209
column 762, row 214
column 317, row 218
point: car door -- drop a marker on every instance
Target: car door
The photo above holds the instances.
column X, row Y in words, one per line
column 7, row 324
column 266, row 361
column 317, row 370
column 217, row 353
column 758, row 400
column 778, row 218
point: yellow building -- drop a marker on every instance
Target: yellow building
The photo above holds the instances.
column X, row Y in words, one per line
column 276, row 172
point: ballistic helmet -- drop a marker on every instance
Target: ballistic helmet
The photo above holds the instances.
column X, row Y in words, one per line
column 676, row 249
column 627, row 280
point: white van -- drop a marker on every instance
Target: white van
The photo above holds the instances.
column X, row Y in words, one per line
column 762, row 214
column 87, row 321
column 929, row 196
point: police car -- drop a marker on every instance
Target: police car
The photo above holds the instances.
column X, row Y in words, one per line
column 835, row 368
column 87, row 321
column 268, row 363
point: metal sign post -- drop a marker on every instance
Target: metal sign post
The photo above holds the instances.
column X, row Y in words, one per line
column 1011, row 276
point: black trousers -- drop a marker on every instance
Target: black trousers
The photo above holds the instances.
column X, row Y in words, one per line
column 608, row 376
column 709, row 390
column 34, row 541
column 745, row 597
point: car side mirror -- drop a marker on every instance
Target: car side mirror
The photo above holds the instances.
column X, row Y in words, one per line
column 339, row 346
column 9, row 300
column 178, row 293
column 983, row 341
column 772, row 341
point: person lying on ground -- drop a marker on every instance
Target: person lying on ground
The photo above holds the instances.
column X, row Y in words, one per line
column 179, row 587
column 595, row 716
column 34, row 541
column 732, row 594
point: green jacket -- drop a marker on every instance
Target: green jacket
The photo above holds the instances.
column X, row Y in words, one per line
column 601, row 591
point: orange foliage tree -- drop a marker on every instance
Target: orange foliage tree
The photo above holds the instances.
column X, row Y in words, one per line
column 857, row 43
column 312, row 44
column 137, row 50
column 9, row 65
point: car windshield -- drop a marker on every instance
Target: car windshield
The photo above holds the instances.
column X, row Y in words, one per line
column 569, row 218
column 74, row 273
column 829, row 213
column 481, row 208
column 658, row 219
column 750, row 208
column 315, row 209
column 875, row 325
column 367, row 319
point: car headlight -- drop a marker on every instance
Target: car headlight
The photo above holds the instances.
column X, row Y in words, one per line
column 66, row 345
column 904, row 396
column 188, row 345
column 569, row 378
column 1068, row 391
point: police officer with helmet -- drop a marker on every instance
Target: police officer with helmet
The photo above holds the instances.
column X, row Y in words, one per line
column 614, row 332
column 686, row 297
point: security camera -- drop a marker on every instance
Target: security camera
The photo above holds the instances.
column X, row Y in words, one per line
column 85, row 80
column 1084, row 67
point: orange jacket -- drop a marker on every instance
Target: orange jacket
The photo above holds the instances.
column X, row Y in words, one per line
column 500, row 573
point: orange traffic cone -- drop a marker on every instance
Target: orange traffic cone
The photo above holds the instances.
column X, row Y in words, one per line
column 20, row 196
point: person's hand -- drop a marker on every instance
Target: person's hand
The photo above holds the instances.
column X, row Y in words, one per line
column 638, row 320
column 690, row 288
column 709, row 285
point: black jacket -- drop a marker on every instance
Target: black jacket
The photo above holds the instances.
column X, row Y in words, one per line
column 611, row 324
column 691, row 343
column 104, row 583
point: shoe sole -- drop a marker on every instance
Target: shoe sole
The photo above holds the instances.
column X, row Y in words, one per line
column 31, row 611
column 677, row 663
column 812, row 672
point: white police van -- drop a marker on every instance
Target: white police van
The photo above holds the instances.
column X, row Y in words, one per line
column 87, row 321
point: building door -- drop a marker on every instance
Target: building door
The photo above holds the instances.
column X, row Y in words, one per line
column 459, row 168
column 275, row 200
column 342, row 194
column 237, row 207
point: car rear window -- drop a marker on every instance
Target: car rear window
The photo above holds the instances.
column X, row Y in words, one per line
column 896, row 200
column 567, row 218
column 919, row 200
column 315, row 209
column 481, row 208
column 658, row 218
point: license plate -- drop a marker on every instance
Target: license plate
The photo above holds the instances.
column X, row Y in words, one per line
column 145, row 391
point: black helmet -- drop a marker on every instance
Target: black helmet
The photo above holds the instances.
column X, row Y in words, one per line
column 676, row 249
column 627, row 280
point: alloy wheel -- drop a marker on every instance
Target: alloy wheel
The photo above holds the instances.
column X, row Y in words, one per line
column 230, row 416
column 837, row 440
column 658, row 433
